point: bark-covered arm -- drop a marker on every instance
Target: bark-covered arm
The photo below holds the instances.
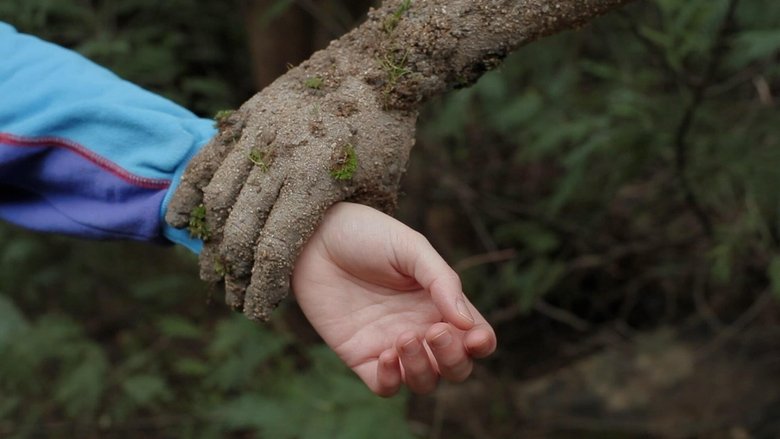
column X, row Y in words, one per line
column 446, row 44
column 340, row 127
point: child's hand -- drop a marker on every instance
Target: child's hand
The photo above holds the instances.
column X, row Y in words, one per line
column 385, row 301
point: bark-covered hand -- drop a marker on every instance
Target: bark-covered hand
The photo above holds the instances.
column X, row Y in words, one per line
column 257, row 191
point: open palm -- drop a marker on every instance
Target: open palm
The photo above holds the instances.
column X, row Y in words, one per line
column 387, row 303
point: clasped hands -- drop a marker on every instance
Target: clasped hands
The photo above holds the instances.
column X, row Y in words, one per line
column 260, row 196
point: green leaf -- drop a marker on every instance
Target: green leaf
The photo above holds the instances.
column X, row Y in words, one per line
column 191, row 367
column 257, row 412
column 11, row 320
column 527, row 235
column 146, row 389
column 156, row 288
column 722, row 262
column 751, row 46
column 179, row 327
column 773, row 271
column 513, row 116
column 239, row 348
column 80, row 389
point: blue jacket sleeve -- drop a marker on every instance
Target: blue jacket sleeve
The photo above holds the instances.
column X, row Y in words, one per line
column 85, row 153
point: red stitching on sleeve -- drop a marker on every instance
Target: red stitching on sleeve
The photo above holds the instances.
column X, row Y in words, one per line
column 56, row 142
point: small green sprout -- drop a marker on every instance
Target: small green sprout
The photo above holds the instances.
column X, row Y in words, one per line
column 314, row 83
column 391, row 22
column 197, row 225
column 220, row 119
column 259, row 158
column 346, row 164
column 395, row 69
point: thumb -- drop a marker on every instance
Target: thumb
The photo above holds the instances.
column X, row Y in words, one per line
column 416, row 256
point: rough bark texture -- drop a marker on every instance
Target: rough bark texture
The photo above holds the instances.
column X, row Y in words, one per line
column 340, row 126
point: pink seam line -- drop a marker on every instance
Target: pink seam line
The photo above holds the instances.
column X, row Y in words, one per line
column 56, row 142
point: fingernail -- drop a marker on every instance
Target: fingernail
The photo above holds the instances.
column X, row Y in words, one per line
column 388, row 362
column 463, row 310
column 441, row 340
column 411, row 347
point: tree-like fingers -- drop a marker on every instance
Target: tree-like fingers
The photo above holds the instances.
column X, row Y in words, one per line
column 209, row 262
column 235, row 290
column 219, row 196
column 297, row 212
column 221, row 193
column 242, row 229
column 200, row 171
column 246, row 220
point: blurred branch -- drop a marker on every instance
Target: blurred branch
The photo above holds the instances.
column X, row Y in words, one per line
column 568, row 230
column 544, row 308
column 681, row 145
column 466, row 198
column 702, row 304
column 763, row 90
column 484, row 258
column 618, row 252
column 561, row 315
column 739, row 78
column 652, row 47
column 732, row 330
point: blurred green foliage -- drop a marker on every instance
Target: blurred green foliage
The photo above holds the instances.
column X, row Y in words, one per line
column 577, row 154
column 631, row 168
column 117, row 339
column 191, row 51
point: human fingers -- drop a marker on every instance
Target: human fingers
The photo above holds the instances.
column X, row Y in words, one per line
column 382, row 376
column 388, row 374
column 416, row 257
column 480, row 341
column 447, row 346
column 419, row 374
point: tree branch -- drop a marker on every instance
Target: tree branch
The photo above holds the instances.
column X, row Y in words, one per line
column 681, row 145
column 444, row 44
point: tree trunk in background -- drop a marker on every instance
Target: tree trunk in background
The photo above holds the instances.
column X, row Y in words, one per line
column 291, row 33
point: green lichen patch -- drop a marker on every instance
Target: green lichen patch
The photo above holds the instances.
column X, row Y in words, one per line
column 314, row 83
column 197, row 225
column 260, row 158
column 220, row 268
column 391, row 22
column 344, row 163
column 221, row 118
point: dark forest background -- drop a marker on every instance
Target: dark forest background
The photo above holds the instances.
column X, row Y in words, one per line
column 610, row 197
